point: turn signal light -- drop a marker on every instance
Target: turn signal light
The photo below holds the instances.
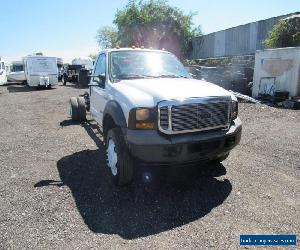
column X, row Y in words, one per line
column 144, row 125
column 142, row 118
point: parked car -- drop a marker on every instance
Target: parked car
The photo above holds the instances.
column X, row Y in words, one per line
column 150, row 109
column 41, row 71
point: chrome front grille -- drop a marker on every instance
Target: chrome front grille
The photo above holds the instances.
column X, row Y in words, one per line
column 194, row 115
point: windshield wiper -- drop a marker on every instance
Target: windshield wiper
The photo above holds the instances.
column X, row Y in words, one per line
column 132, row 76
column 170, row 76
column 139, row 76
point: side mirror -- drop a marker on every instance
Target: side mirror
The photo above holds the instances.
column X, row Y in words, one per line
column 99, row 79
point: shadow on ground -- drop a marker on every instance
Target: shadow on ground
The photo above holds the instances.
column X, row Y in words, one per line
column 168, row 198
column 75, row 85
column 24, row 88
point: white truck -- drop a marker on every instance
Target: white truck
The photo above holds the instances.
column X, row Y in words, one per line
column 41, row 71
column 150, row 109
column 3, row 72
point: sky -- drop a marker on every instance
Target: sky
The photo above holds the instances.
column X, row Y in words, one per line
column 67, row 28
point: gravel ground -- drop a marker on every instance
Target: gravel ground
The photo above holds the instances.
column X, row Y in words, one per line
column 55, row 191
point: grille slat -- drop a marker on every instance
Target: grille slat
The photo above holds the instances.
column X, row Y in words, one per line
column 195, row 116
column 164, row 123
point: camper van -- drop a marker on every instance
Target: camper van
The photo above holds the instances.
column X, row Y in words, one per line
column 41, row 71
column 2, row 72
column 16, row 73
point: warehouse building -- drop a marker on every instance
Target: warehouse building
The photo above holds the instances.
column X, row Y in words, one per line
column 236, row 41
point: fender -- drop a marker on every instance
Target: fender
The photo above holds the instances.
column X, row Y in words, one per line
column 115, row 111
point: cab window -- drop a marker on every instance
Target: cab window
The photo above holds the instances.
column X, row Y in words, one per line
column 100, row 66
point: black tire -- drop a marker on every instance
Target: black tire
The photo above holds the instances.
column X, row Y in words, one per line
column 81, row 108
column 64, row 82
column 223, row 158
column 124, row 164
column 74, row 110
column 216, row 161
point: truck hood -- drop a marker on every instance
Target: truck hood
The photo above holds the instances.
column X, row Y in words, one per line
column 150, row 91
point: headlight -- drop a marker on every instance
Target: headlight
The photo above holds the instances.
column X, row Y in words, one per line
column 142, row 114
column 142, row 118
column 234, row 110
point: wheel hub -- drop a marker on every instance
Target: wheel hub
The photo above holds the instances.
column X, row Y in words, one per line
column 112, row 157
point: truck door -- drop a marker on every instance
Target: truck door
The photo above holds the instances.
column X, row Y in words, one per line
column 98, row 95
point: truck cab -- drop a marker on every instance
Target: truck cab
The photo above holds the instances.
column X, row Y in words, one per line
column 150, row 109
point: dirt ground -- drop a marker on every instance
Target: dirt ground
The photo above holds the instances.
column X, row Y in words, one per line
column 55, row 190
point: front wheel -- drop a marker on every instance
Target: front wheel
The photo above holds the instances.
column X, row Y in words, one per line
column 222, row 158
column 119, row 159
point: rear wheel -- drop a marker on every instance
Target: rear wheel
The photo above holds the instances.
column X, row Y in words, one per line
column 81, row 108
column 74, row 110
column 119, row 159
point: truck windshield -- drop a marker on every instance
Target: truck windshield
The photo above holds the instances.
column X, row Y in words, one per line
column 145, row 64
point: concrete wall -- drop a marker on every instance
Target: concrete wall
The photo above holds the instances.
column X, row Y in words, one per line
column 236, row 41
column 277, row 70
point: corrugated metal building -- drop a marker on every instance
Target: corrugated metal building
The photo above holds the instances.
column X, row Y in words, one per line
column 236, row 41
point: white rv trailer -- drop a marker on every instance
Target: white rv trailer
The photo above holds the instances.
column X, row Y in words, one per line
column 16, row 73
column 2, row 72
column 41, row 71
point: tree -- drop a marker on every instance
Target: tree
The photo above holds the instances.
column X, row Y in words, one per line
column 93, row 56
column 154, row 24
column 107, row 37
column 286, row 33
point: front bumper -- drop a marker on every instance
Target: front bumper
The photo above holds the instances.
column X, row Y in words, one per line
column 153, row 147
